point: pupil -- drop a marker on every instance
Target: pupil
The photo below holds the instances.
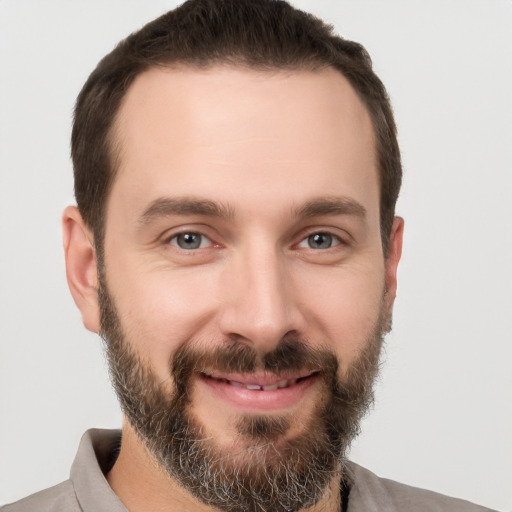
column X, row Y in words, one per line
column 320, row 241
column 189, row 240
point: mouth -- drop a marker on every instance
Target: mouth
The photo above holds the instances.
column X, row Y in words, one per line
column 258, row 392
column 254, row 383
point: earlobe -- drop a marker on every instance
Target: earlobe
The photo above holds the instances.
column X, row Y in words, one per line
column 81, row 269
column 393, row 258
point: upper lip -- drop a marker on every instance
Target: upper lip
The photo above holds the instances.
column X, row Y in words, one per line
column 258, row 379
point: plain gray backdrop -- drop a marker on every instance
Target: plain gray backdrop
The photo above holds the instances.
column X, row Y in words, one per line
column 443, row 414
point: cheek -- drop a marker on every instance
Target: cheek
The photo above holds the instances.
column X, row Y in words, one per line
column 161, row 310
column 346, row 309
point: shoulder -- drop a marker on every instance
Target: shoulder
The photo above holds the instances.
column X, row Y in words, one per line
column 60, row 498
column 413, row 498
column 370, row 492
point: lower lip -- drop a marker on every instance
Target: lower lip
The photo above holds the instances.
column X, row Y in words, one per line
column 250, row 400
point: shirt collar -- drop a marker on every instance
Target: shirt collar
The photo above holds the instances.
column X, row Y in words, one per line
column 367, row 492
column 93, row 460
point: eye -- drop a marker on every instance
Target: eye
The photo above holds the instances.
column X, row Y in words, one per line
column 190, row 241
column 320, row 241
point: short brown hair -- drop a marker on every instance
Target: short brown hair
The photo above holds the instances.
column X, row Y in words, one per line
column 261, row 34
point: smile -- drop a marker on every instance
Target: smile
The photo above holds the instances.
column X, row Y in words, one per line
column 284, row 383
column 264, row 391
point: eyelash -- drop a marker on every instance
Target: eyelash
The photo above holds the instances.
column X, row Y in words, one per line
column 205, row 241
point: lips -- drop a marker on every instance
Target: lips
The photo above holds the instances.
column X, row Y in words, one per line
column 259, row 391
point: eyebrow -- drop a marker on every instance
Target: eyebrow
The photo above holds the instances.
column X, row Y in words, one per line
column 166, row 206
column 331, row 206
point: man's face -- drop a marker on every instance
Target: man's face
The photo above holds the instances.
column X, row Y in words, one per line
column 243, row 239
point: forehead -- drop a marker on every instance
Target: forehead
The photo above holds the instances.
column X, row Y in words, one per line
column 223, row 129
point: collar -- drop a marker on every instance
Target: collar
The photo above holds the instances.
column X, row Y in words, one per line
column 93, row 460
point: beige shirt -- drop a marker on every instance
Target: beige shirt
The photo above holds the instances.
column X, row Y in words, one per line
column 87, row 489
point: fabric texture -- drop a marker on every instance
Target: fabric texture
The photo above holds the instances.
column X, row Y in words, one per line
column 87, row 489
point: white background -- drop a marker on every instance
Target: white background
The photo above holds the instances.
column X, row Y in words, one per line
column 443, row 416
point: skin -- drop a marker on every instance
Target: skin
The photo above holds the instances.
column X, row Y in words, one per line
column 262, row 146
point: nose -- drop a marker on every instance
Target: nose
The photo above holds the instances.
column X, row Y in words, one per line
column 259, row 306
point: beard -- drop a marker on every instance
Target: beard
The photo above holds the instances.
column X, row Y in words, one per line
column 268, row 470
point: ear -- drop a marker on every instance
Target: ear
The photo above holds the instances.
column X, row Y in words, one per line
column 81, row 269
column 393, row 258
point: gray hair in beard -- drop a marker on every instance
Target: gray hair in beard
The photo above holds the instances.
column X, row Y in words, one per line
column 270, row 474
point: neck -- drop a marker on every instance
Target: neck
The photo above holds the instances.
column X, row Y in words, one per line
column 143, row 486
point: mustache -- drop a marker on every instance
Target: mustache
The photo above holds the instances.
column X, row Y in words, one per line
column 291, row 354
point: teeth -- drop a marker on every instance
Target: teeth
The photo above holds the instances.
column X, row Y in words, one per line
column 272, row 387
column 285, row 383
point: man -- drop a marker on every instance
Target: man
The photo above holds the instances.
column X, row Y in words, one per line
column 235, row 244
